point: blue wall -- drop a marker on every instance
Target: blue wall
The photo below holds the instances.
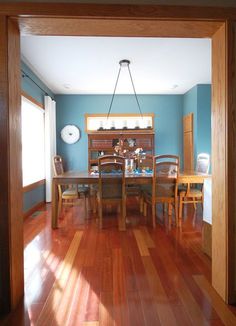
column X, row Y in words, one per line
column 204, row 119
column 30, row 88
column 72, row 108
column 198, row 101
column 37, row 195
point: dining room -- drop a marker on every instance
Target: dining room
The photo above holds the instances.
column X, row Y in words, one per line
column 119, row 121
column 145, row 255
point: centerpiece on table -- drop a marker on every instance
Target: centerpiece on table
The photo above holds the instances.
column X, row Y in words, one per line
column 132, row 158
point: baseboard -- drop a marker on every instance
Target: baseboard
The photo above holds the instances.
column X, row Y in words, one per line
column 33, row 209
column 207, row 239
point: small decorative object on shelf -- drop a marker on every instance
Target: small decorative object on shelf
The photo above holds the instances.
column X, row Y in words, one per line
column 113, row 125
column 137, row 124
column 149, row 124
column 100, row 125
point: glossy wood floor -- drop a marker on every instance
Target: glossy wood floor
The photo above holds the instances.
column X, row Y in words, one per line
column 79, row 275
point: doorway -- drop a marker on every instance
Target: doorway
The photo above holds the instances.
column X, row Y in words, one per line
column 129, row 24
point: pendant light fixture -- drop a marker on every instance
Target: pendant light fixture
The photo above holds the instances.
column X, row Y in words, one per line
column 124, row 64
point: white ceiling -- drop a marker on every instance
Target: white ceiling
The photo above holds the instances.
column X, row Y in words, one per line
column 89, row 65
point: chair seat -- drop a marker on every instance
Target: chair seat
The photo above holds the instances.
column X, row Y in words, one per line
column 70, row 193
column 162, row 191
column 133, row 190
column 192, row 193
column 83, row 189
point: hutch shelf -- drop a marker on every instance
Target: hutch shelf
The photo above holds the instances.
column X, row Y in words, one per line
column 104, row 142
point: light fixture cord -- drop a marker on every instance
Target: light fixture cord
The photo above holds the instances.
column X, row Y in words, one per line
column 113, row 95
column 136, row 97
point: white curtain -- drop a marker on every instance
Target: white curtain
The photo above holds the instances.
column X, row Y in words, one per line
column 50, row 143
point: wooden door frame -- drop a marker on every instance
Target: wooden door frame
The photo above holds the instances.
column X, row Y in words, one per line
column 119, row 20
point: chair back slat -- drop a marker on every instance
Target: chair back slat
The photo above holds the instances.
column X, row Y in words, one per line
column 58, row 169
column 165, row 175
column 57, row 165
column 111, row 176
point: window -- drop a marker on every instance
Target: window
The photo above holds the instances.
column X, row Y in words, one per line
column 98, row 122
column 32, row 142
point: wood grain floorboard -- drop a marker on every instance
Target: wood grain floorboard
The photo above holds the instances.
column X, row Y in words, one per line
column 49, row 311
column 142, row 245
column 164, row 311
column 79, row 275
column 227, row 317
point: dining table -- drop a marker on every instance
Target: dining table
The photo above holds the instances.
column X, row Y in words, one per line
column 88, row 178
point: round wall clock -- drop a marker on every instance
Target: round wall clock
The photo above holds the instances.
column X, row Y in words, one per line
column 70, row 134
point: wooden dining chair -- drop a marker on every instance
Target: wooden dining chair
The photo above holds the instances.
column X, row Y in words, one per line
column 111, row 186
column 135, row 190
column 190, row 195
column 164, row 186
column 193, row 192
column 68, row 194
column 194, row 189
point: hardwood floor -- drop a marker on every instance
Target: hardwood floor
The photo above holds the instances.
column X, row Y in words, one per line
column 80, row 275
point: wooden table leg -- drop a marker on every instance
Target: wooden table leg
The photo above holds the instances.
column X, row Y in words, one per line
column 54, row 204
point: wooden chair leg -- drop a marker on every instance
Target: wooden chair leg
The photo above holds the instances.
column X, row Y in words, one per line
column 119, row 208
column 153, row 215
column 123, row 216
column 176, row 213
column 94, row 203
column 194, row 204
column 180, row 210
column 59, row 205
column 169, row 209
column 85, row 207
column 100, row 214
column 141, row 204
column 145, row 209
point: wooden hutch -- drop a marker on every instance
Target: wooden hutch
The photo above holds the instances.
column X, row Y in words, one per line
column 103, row 143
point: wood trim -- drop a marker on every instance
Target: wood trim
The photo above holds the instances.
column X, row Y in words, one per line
column 118, row 27
column 119, row 11
column 15, row 166
column 119, row 115
column 5, row 291
column 188, row 139
column 231, row 161
column 123, row 132
column 222, row 116
column 34, row 185
column 32, row 99
column 33, row 209
column 207, row 239
column 219, row 162
column 11, row 224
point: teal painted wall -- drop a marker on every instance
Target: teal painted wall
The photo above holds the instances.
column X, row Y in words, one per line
column 30, row 88
column 168, row 111
column 33, row 197
column 204, row 119
column 37, row 195
column 198, row 101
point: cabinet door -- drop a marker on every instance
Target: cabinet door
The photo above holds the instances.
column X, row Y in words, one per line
column 188, row 142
